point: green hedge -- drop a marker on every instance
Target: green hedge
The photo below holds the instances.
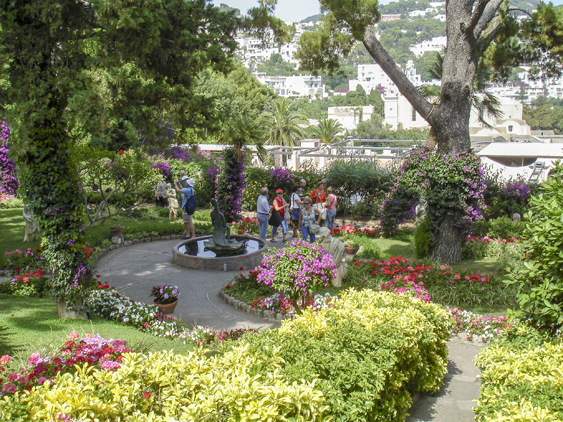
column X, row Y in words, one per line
column 522, row 379
column 367, row 354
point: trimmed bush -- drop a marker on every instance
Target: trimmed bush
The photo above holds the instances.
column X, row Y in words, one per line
column 164, row 386
column 368, row 352
column 522, row 379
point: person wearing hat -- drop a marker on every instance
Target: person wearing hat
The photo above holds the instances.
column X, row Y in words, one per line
column 282, row 207
column 186, row 192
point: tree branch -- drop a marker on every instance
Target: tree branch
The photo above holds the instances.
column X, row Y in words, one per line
column 476, row 15
column 486, row 17
column 382, row 58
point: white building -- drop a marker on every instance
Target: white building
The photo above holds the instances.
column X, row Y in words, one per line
column 400, row 114
column 370, row 76
column 435, row 44
column 294, row 86
column 349, row 117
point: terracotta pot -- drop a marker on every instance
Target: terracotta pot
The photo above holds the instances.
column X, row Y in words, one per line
column 167, row 308
column 351, row 251
column 116, row 231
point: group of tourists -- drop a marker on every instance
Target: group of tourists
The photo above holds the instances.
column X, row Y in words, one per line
column 303, row 213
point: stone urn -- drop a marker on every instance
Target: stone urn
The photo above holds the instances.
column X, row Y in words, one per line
column 167, row 308
column 71, row 310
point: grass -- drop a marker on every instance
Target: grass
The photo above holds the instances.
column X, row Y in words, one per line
column 12, row 228
column 27, row 324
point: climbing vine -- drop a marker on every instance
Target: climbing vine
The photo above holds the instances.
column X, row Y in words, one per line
column 452, row 185
column 230, row 183
column 8, row 180
column 51, row 188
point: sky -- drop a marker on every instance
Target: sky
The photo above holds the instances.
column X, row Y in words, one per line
column 294, row 10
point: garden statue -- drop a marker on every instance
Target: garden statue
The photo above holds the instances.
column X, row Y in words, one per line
column 516, row 217
column 31, row 226
column 172, row 202
column 335, row 248
column 420, row 210
column 221, row 241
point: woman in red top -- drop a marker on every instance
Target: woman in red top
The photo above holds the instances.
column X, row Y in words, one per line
column 280, row 205
column 318, row 196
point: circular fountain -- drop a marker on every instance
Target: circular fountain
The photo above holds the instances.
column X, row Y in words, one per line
column 193, row 253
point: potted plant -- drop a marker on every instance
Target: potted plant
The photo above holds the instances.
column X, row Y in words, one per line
column 351, row 247
column 166, row 298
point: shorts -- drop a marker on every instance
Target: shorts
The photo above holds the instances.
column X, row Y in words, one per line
column 186, row 218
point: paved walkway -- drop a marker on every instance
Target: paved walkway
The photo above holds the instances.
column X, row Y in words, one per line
column 133, row 270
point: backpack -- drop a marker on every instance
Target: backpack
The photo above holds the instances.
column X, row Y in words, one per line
column 189, row 207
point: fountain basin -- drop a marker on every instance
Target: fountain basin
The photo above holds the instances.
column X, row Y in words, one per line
column 191, row 254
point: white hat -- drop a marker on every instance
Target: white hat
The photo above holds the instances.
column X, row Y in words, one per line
column 191, row 182
column 184, row 177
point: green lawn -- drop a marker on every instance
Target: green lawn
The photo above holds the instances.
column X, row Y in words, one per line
column 30, row 324
column 12, row 228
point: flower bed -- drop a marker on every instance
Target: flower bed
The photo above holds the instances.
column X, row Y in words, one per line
column 92, row 350
column 474, row 326
column 444, row 286
column 164, row 386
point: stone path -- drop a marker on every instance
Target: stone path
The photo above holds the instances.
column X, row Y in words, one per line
column 135, row 269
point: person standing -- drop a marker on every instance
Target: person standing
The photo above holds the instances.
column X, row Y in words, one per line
column 282, row 207
column 307, row 217
column 318, row 196
column 183, row 179
column 160, row 193
column 186, row 192
column 295, row 207
column 262, row 210
column 330, row 206
column 302, row 185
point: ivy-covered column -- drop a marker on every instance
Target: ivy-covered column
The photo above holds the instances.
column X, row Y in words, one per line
column 50, row 185
column 230, row 183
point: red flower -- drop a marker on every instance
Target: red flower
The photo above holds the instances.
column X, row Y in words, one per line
column 229, row 286
column 121, row 151
column 147, row 395
column 241, row 268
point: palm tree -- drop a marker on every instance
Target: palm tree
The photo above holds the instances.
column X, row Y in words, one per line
column 241, row 132
column 328, row 131
column 283, row 124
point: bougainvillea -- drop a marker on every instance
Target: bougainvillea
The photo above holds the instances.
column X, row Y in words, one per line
column 230, row 183
column 297, row 271
column 452, row 186
column 162, row 167
column 8, row 181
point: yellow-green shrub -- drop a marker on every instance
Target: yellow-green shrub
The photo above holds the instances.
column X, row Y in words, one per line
column 521, row 381
column 369, row 352
column 182, row 388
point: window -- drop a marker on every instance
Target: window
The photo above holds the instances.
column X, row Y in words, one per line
column 510, row 128
column 413, row 115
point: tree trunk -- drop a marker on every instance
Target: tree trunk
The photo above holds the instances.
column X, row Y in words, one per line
column 447, row 249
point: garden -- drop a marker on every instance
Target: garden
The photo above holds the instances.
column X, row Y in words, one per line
column 359, row 351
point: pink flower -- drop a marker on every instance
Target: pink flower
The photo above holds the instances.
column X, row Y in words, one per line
column 457, row 277
column 41, row 380
column 442, row 267
column 5, row 359
column 74, row 335
column 9, row 387
column 147, row 395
